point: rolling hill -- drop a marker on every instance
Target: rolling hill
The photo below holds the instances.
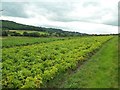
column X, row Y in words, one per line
column 11, row 25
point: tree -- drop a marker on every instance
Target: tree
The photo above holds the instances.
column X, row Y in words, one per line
column 34, row 34
column 26, row 34
column 4, row 33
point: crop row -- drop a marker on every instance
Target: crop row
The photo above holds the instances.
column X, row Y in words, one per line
column 24, row 41
column 33, row 66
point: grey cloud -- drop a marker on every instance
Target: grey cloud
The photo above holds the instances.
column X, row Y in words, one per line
column 53, row 11
column 59, row 10
column 14, row 9
column 114, row 23
column 86, row 4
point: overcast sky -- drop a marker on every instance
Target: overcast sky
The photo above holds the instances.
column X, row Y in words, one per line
column 85, row 16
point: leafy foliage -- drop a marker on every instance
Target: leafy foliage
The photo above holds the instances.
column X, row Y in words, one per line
column 32, row 66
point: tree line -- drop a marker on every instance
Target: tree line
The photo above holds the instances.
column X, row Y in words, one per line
column 35, row 34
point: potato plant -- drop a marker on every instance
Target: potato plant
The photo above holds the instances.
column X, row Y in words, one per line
column 33, row 65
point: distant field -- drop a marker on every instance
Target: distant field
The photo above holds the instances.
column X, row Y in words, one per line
column 22, row 41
